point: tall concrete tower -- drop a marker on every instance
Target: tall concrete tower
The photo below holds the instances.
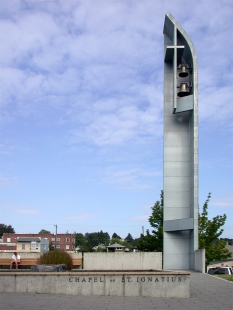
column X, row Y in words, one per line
column 180, row 148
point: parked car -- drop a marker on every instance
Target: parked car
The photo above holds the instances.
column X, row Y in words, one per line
column 220, row 270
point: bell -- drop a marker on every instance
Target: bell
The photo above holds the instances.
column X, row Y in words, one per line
column 184, row 90
column 183, row 71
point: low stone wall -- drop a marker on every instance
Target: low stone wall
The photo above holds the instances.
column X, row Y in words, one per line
column 22, row 255
column 200, row 260
column 122, row 261
column 139, row 283
column 34, row 255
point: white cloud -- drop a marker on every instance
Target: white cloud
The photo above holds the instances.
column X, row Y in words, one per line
column 28, row 211
column 139, row 218
column 74, row 59
column 7, row 181
column 128, row 178
column 226, row 202
column 89, row 75
column 80, row 217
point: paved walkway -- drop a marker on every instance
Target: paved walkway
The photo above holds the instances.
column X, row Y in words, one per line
column 207, row 292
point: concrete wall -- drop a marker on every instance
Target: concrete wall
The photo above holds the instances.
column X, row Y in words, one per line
column 22, row 255
column 150, row 284
column 123, row 261
column 34, row 255
column 200, row 260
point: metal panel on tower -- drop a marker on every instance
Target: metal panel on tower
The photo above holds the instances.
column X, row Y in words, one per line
column 180, row 148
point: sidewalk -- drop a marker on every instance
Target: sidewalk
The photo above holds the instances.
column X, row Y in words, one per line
column 207, row 292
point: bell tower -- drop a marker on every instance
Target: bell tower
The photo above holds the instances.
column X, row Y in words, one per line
column 180, row 148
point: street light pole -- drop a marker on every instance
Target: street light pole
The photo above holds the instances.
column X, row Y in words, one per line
column 56, row 237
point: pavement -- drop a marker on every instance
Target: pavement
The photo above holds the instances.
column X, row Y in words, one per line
column 207, row 292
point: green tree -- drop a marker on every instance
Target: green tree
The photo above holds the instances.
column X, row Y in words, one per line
column 115, row 236
column 147, row 243
column 80, row 240
column 209, row 233
column 129, row 238
column 82, row 243
column 119, row 241
column 44, row 231
column 51, row 246
column 116, row 240
column 97, row 238
column 154, row 241
column 6, row 229
column 228, row 240
column 103, row 238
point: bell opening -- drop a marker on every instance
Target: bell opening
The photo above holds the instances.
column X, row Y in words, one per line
column 184, row 90
column 183, row 71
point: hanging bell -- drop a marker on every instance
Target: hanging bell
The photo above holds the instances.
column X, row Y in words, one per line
column 183, row 70
column 184, row 90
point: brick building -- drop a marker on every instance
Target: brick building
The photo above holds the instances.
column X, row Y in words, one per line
column 63, row 242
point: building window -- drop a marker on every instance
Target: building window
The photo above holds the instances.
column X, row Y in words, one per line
column 58, row 239
column 34, row 246
column 53, row 239
column 8, row 240
column 67, row 247
column 23, row 246
column 67, row 239
column 57, row 246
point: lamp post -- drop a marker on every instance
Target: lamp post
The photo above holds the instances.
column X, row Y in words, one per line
column 56, row 237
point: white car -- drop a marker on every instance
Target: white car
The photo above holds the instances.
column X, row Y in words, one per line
column 220, row 270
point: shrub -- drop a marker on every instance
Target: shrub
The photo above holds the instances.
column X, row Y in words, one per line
column 56, row 257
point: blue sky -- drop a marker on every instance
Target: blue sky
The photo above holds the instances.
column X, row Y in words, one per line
column 81, row 127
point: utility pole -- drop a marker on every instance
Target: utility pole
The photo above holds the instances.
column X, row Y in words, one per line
column 143, row 230
column 56, row 237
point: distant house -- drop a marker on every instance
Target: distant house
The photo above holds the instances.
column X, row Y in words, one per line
column 100, row 246
column 7, row 246
column 63, row 242
column 115, row 248
column 32, row 244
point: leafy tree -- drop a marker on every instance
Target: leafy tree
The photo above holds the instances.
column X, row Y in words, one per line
column 6, row 229
column 51, row 246
column 154, row 241
column 129, row 238
column 97, row 238
column 82, row 243
column 44, row 231
column 228, row 240
column 209, row 232
column 80, row 240
column 104, row 238
column 115, row 236
column 147, row 243
column 119, row 241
